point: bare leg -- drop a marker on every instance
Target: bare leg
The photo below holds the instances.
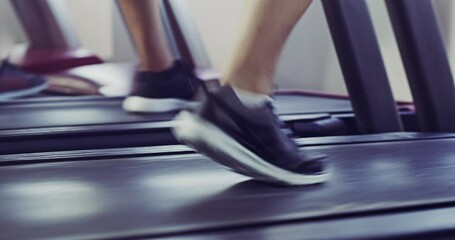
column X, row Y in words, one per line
column 148, row 34
column 249, row 138
column 261, row 42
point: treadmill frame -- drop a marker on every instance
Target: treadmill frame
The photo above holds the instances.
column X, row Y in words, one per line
column 426, row 63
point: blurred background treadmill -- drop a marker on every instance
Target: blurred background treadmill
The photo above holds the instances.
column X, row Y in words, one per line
column 397, row 189
column 54, row 122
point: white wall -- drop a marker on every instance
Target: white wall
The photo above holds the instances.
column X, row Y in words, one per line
column 217, row 22
column 309, row 60
column 93, row 19
column 5, row 37
column 10, row 32
column 446, row 9
column 389, row 50
column 305, row 61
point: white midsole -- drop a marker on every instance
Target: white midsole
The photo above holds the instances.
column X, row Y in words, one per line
column 144, row 105
column 192, row 130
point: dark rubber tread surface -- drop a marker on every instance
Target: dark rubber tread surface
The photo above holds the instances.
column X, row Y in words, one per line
column 152, row 196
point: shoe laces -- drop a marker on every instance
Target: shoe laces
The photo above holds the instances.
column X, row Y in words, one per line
column 281, row 125
column 287, row 133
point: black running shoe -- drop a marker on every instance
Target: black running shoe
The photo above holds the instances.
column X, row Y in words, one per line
column 248, row 141
column 15, row 83
column 167, row 91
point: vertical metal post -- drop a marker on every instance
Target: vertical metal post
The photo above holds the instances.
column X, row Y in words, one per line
column 426, row 62
column 186, row 35
column 362, row 65
column 46, row 24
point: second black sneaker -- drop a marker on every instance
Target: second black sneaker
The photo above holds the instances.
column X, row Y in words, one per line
column 165, row 91
column 248, row 141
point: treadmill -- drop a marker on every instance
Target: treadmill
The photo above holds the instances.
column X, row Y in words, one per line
column 382, row 188
column 180, row 195
column 58, row 123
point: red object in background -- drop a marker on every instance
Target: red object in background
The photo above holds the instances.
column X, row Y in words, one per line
column 54, row 50
column 57, row 64
column 45, row 61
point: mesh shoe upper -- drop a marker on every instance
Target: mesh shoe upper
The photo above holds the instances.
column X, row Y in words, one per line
column 259, row 130
column 178, row 82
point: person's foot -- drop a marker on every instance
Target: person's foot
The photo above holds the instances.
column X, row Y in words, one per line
column 15, row 83
column 248, row 141
column 166, row 91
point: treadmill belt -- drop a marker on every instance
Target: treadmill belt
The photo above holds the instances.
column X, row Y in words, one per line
column 27, row 114
column 405, row 225
column 157, row 196
column 55, row 114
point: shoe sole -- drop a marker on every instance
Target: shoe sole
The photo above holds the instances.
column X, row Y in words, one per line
column 23, row 93
column 147, row 105
column 217, row 145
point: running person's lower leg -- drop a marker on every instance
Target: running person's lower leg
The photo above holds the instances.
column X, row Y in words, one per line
column 147, row 32
column 162, row 84
column 259, row 46
column 236, row 126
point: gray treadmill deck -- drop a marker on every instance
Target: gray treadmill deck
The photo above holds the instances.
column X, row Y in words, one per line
column 95, row 111
column 434, row 224
column 153, row 196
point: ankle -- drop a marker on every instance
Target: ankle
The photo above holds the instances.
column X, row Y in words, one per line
column 251, row 99
column 175, row 68
column 155, row 66
column 253, row 84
